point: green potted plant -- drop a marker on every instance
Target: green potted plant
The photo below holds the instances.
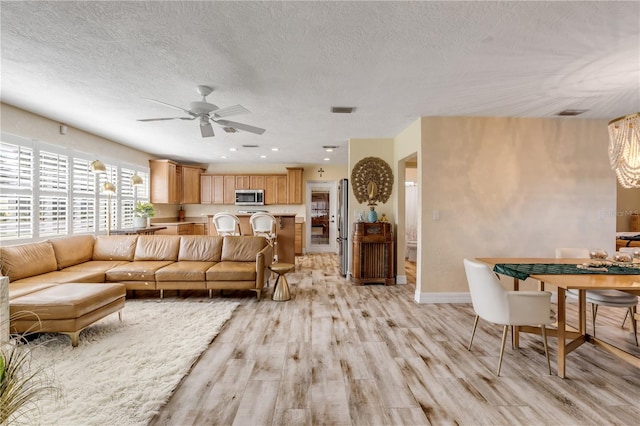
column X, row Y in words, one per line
column 142, row 213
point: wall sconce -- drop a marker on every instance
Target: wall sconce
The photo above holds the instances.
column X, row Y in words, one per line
column 109, row 189
column 624, row 149
column 98, row 166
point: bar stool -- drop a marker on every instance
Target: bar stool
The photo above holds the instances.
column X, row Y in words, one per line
column 264, row 225
column 226, row 224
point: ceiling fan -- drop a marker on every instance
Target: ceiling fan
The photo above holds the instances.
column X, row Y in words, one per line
column 208, row 113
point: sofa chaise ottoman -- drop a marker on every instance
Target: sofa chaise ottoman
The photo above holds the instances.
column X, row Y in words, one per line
column 66, row 308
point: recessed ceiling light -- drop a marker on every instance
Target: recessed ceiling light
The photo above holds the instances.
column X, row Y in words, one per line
column 329, row 149
column 233, row 149
column 275, row 149
column 223, row 156
column 327, row 159
column 571, row 112
column 342, row 110
column 263, row 156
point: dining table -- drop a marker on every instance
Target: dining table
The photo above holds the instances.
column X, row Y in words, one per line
column 571, row 274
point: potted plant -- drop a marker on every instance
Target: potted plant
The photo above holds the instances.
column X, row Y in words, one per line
column 142, row 213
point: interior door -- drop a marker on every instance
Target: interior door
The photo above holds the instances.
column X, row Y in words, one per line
column 321, row 224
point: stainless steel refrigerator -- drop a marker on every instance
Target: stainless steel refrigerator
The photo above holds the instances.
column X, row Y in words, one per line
column 343, row 226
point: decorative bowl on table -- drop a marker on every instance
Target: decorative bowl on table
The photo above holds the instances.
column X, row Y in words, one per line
column 623, row 257
column 598, row 254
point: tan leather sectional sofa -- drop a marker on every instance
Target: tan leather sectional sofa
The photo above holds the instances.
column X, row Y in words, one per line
column 145, row 262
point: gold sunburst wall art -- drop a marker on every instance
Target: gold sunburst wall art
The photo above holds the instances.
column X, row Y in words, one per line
column 372, row 180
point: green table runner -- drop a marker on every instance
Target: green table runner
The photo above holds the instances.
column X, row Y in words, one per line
column 522, row 271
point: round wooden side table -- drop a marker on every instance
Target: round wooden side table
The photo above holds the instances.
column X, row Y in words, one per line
column 281, row 291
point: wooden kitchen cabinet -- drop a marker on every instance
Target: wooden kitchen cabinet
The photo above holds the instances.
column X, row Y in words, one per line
column 211, row 189
column 275, row 189
column 281, row 190
column 256, row 182
column 299, row 237
column 163, row 181
column 206, row 193
column 229, row 187
column 294, row 185
column 243, row 182
column 176, row 229
column 190, row 184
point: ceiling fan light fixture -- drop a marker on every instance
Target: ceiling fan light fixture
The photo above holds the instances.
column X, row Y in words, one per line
column 571, row 112
column 343, row 110
column 230, row 130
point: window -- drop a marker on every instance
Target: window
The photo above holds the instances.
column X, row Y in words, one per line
column 16, row 191
column 53, row 173
column 49, row 191
column 84, row 197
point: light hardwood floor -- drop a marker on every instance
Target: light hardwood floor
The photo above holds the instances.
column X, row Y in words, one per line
column 338, row 354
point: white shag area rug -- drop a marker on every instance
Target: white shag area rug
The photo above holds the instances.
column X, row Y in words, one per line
column 121, row 373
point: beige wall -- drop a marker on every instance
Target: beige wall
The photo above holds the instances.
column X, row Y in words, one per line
column 407, row 145
column 359, row 149
column 509, row 187
column 628, row 203
column 23, row 123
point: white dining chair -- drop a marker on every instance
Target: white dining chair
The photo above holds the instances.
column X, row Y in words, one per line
column 612, row 298
column 264, row 224
column 226, row 224
column 493, row 303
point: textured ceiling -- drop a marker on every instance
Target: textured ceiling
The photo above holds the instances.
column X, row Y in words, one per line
column 90, row 64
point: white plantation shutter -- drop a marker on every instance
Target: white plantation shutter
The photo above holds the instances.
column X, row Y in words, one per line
column 84, row 197
column 47, row 190
column 53, row 172
column 111, row 176
column 16, row 191
column 84, row 214
column 53, row 203
column 53, row 213
column 127, row 198
column 16, row 167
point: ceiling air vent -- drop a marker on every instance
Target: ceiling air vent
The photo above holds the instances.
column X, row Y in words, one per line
column 342, row 110
column 250, row 146
column 571, row 112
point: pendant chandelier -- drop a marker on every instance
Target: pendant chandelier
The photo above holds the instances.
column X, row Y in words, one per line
column 624, row 149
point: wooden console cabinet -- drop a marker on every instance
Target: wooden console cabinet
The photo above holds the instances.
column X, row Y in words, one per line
column 372, row 253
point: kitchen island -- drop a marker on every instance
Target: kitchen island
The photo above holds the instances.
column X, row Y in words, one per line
column 285, row 231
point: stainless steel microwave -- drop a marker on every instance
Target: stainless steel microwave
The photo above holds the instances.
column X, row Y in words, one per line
column 249, row 197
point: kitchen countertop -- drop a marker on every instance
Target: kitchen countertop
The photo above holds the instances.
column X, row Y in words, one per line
column 184, row 222
column 274, row 214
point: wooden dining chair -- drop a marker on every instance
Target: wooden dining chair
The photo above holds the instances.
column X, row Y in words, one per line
column 493, row 303
column 612, row 298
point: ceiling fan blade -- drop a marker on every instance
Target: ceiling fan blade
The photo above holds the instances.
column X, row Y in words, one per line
column 241, row 126
column 167, row 118
column 206, row 129
column 232, row 110
column 169, row 105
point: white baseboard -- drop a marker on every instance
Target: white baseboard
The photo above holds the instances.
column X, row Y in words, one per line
column 443, row 297
column 401, row 279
